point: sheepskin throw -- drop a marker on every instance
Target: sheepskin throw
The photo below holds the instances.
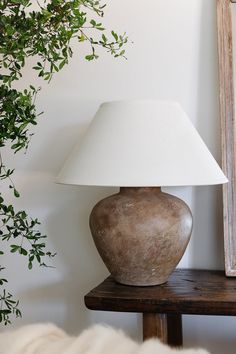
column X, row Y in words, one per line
column 48, row 339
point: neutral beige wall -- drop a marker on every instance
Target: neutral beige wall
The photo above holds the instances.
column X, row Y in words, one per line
column 173, row 56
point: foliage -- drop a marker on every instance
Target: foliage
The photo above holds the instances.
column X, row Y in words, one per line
column 43, row 30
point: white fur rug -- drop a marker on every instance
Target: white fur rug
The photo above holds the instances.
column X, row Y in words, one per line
column 48, row 339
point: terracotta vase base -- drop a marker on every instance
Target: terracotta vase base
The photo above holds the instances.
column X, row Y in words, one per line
column 141, row 234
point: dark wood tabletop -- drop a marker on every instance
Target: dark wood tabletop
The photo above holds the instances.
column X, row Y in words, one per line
column 188, row 291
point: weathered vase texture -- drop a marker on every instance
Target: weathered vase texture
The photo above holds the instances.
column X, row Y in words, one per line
column 141, row 234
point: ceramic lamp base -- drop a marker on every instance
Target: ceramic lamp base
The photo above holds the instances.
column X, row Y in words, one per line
column 141, row 234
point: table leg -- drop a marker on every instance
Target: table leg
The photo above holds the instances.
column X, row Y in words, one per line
column 168, row 328
column 155, row 325
column 175, row 331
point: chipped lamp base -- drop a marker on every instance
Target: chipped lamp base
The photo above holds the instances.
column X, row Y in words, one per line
column 141, row 234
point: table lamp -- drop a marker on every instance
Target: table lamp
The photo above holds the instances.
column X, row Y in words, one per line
column 140, row 146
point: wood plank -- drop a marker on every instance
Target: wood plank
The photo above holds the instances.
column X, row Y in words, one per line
column 199, row 292
column 228, row 138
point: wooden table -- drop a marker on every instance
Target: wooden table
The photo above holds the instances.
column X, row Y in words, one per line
column 193, row 292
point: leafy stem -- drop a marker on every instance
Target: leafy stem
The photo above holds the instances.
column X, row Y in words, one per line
column 46, row 35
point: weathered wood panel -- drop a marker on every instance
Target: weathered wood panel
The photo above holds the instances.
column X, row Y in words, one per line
column 228, row 134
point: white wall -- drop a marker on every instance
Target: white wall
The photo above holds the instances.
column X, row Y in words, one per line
column 173, row 56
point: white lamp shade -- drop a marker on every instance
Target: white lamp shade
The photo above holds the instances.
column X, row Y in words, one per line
column 141, row 144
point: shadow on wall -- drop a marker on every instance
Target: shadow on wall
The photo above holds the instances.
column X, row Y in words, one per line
column 58, row 295
column 212, row 332
column 207, row 249
column 49, row 150
column 207, row 240
column 77, row 259
column 64, row 212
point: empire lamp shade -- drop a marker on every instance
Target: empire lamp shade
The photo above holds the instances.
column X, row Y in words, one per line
column 141, row 143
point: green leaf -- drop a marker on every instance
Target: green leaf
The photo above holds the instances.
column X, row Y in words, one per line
column 16, row 193
column 115, row 35
column 14, row 248
column 104, row 38
column 89, row 57
column 23, row 251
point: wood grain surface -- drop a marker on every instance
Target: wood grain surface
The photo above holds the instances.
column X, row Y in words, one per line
column 228, row 138
column 199, row 292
